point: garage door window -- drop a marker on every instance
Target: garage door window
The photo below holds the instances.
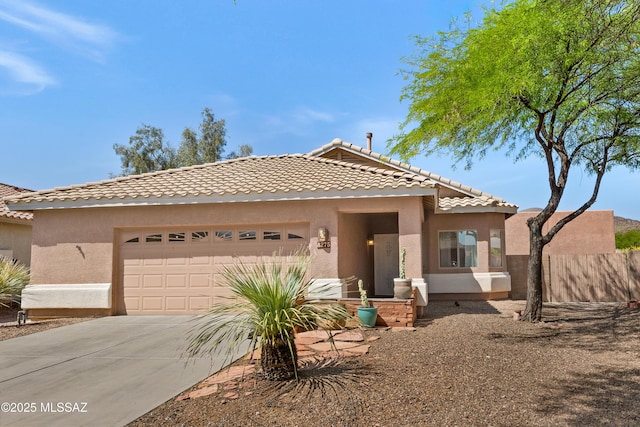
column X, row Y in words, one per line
column 223, row 236
column 247, row 235
column 153, row 238
column 267, row 234
column 199, row 236
column 271, row 235
column 177, row 237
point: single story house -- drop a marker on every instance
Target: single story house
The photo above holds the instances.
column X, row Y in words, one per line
column 155, row 243
column 15, row 228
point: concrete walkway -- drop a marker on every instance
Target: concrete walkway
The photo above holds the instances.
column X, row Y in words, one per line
column 103, row 372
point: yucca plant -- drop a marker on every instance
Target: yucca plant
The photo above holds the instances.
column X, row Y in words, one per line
column 14, row 276
column 268, row 304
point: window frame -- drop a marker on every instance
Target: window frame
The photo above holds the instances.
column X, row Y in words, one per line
column 458, row 249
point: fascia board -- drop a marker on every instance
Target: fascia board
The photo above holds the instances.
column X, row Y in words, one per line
column 232, row 198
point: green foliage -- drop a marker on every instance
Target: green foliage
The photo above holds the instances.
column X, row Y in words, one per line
column 208, row 147
column 559, row 78
column 14, row 276
column 147, row 150
column 268, row 304
column 628, row 240
column 243, row 151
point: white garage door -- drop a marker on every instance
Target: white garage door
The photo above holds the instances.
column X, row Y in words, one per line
column 173, row 271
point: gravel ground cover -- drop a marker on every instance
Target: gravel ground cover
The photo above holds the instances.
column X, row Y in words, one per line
column 9, row 326
column 470, row 364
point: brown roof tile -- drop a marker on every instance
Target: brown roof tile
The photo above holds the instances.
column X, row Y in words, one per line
column 10, row 190
column 471, row 197
column 281, row 177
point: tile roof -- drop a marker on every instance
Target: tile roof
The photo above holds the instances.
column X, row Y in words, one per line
column 471, row 197
column 284, row 177
column 10, row 190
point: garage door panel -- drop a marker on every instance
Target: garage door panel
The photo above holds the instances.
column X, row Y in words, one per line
column 152, row 303
column 132, row 303
column 176, row 280
column 199, row 303
column 152, row 281
column 131, row 281
column 176, row 304
column 175, row 272
column 200, row 280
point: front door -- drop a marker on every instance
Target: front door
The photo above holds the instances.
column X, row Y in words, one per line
column 386, row 258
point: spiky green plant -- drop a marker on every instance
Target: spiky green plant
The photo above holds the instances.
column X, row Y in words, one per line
column 269, row 304
column 14, row 276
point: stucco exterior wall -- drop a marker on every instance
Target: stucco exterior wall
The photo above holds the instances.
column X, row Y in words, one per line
column 16, row 239
column 76, row 245
column 480, row 222
column 591, row 233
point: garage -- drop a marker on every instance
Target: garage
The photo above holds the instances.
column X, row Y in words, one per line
column 178, row 270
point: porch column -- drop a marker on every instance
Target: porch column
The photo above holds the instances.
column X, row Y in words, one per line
column 410, row 225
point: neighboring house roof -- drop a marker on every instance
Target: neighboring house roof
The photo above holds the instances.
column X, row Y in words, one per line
column 463, row 197
column 286, row 177
column 336, row 170
column 12, row 216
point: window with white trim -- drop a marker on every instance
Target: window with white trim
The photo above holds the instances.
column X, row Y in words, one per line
column 458, row 249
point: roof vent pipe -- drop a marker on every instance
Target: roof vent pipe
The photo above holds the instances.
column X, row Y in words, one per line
column 369, row 137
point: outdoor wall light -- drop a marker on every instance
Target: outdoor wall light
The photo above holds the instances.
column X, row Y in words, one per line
column 369, row 242
column 323, row 238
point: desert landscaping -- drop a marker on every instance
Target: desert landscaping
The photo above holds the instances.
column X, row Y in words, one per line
column 466, row 364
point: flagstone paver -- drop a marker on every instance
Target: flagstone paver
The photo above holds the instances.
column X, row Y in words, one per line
column 313, row 346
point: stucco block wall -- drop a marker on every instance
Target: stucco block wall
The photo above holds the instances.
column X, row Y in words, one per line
column 591, row 233
column 16, row 238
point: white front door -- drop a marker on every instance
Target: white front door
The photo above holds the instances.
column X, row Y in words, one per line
column 386, row 258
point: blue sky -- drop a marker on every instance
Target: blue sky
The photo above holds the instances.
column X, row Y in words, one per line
column 78, row 76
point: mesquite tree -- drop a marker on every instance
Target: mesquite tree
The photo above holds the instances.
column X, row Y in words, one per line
column 555, row 78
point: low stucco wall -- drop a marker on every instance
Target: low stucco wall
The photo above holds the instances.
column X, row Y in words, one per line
column 468, row 283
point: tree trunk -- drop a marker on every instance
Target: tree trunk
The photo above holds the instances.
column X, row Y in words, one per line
column 278, row 362
column 533, row 310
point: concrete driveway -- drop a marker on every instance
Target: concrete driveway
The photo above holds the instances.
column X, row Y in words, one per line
column 103, row 372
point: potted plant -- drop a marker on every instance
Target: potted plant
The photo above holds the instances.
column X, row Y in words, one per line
column 366, row 314
column 402, row 285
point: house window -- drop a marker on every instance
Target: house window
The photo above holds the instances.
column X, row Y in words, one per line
column 133, row 240
column 458, row 249
column 495, row 248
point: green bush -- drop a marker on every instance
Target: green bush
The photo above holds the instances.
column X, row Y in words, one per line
column 14, row 276
column 628, row 240
column 269, row 303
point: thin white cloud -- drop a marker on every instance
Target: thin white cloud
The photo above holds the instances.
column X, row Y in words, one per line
column 299, row 122
column 25, row 71
column 309, row 115
column 71, row 32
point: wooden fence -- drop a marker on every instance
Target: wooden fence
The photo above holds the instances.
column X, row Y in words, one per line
column 600, row 277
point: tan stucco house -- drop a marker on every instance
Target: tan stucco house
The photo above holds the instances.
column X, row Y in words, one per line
column 155, row 243
column 15, row 228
